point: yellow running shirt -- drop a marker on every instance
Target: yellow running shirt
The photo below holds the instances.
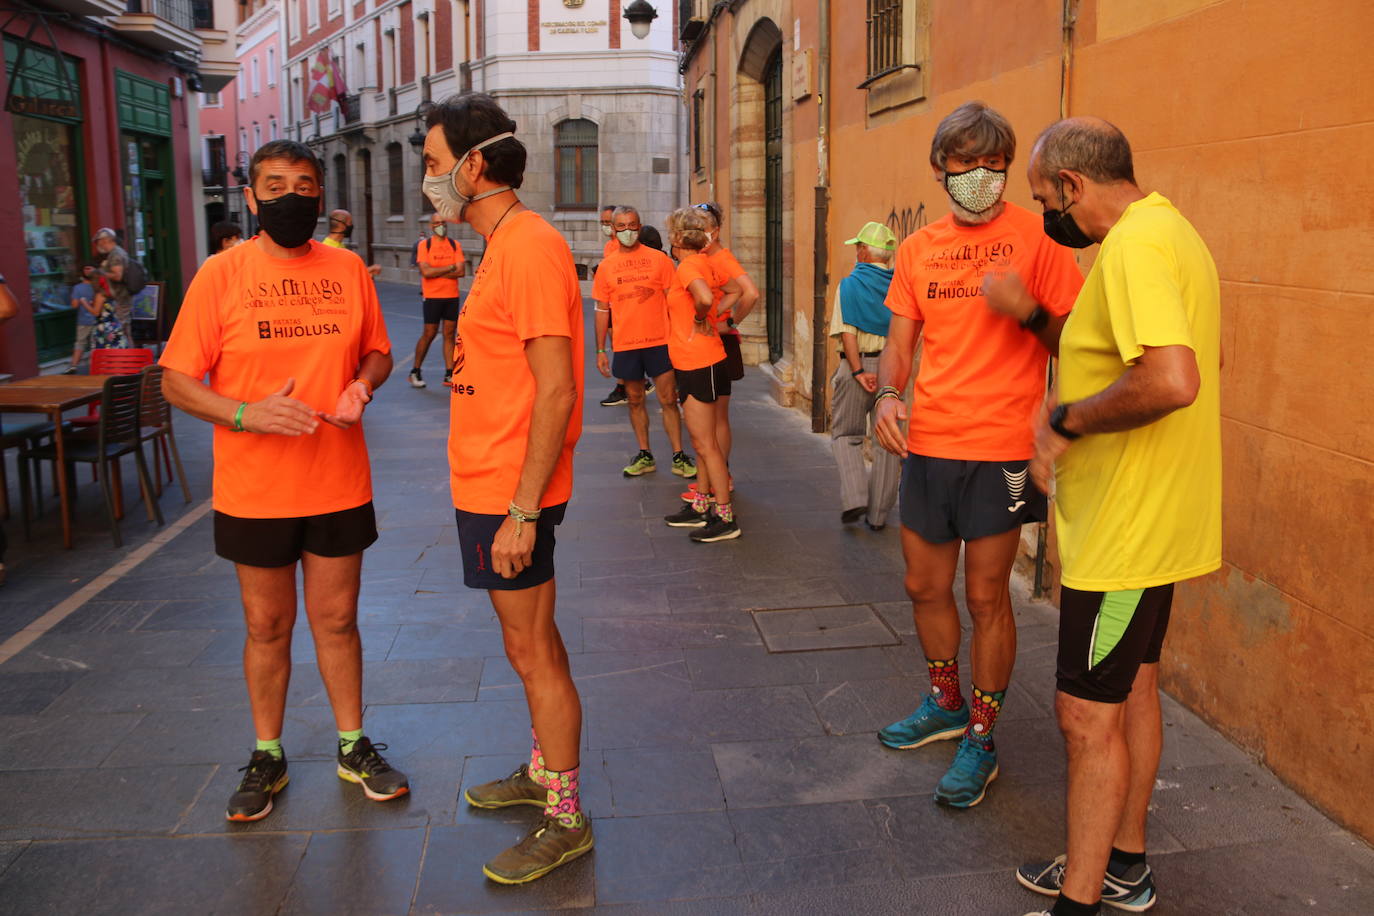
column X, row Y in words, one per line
column 1141, row 508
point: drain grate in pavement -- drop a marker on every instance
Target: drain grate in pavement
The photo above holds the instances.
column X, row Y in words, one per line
column 806, row 629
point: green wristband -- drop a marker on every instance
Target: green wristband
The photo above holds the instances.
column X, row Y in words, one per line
column 238, row 417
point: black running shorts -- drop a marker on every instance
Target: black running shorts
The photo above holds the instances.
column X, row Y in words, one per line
column 703, row 384
column 944, row 499
column 1104, row 638
column 475, row 534
column 734, row 360
column 281, row 541
column 636, row 365
column 437, row 310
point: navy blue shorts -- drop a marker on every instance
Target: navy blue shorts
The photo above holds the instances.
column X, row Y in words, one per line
column 647, row 362
column 475, row 534
column 946, row 499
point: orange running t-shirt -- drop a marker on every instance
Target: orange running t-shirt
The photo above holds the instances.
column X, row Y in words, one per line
column 982, row 376
column 724, row 268
column 252, row 321
column 436, row 252
column 526, row 287
column 635, row 285
column 688, row 346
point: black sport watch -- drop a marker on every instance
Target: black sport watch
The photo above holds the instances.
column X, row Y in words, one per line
column 1036, row 320
column 1057, row 422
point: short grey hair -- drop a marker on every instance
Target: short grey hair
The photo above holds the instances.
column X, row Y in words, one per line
column 975, row 129
column 624, row 210
column 1094, row 148
column 878, row 254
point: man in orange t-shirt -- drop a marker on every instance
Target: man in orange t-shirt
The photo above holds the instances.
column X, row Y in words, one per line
column 965, row 476
column 289, row 333
column 515, row 419
column 441, row 263
column 631, row 287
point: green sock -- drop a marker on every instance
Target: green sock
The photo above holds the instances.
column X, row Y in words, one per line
column 272, row 747
column 348, row 739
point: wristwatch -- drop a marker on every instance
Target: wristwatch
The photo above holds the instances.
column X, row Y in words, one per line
column 1057, row 422
column 1036, row 320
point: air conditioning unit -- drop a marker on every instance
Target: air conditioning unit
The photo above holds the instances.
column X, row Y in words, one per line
column 692, row 16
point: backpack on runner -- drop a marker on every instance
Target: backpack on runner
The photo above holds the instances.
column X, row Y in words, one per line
column 135, row 277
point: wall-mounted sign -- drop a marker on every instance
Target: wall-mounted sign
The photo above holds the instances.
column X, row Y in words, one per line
column 573, row 4
column 573, row 26
column 33, row 105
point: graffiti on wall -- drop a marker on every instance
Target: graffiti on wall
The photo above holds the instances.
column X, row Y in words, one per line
column 906, row 220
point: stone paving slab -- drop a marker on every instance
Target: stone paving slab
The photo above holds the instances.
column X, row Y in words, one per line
column 721, row 777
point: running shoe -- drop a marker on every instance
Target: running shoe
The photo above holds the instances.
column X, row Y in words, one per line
column 687, row 517
column 717, row 529
column 648, row 386
column 690, row 493
column 70, row 370
column 252, row 800
column 448, row 378
column 643, row 463
column 1133, row 892
column 966, row 781
column 930, row 722
column 415, row 380
column 616, row 397
column 519, row 788
column 370, row 770
column 543, row 849
column 684, row 466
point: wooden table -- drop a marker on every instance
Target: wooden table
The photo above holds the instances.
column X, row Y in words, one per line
column 53, row 395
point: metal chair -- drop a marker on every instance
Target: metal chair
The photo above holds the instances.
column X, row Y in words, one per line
column 117, row 435
column 157, row 429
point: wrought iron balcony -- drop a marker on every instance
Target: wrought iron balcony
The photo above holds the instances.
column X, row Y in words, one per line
column 351, row 106
column 214, row 176
column 179, row 13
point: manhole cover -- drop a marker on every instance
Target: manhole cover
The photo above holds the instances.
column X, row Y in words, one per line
column 805, row 629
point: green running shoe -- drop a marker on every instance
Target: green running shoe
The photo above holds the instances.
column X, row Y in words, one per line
column 930, row 722
column 543, row 849
column 684, row 466
column 519, row 788
column 643, row 463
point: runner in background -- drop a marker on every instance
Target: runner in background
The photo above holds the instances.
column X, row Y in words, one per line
column 441, row 263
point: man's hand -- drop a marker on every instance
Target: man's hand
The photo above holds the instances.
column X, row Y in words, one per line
column 1049, row 445
column 281, row 415
column 1007, row 295
column 868, row 381
column 374, row 269
column 511, row 555
column 349, row 409
column 603, row 364
column 888, row 417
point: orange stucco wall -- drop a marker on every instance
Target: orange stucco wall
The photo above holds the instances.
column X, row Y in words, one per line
column 1255, row 117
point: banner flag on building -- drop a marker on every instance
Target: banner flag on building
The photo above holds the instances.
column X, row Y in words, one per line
column 327, row 83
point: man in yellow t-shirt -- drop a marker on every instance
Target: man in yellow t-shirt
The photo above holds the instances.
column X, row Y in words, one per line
column 340, row 230
column 1133, row 440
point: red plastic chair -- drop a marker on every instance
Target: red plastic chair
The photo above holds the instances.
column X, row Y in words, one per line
column 107, row 361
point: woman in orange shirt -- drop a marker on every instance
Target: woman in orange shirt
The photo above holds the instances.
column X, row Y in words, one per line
column 703, row 382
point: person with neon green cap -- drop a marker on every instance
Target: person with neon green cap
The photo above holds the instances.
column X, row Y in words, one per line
column 859, row 323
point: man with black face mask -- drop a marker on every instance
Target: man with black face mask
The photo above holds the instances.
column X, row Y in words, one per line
column 291, row 336
column 966, row 454
column 340, row 231
column 1131, row 441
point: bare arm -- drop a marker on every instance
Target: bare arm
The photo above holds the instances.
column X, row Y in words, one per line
column 602, row 319
column 373, row 372
column 1008, row 295
column 277, row 413
column 731, row 291
column 894, row 371
column 748, row 298
column 440, row 270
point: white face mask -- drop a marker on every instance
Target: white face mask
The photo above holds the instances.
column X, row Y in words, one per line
column 627, row 237
column 442, row 190
column 441, row 230
column 977, row 190
column 606, row 230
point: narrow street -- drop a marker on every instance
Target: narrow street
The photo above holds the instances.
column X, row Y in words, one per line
column 731, row 696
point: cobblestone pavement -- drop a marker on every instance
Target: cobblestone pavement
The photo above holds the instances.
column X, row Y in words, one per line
column 723, row 777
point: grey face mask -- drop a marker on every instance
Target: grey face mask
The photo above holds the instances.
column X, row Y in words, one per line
column 442, row 190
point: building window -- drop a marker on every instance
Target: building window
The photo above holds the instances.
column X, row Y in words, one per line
column 312, row 9
column 271, row 67
column 257, row 136
column 396, row 180
column 574, row 150
column 257, row 76
column 216, row 163
column 272, row 128
column 210, row 100
column 243, row 141
column 293, row 18
column 884, row 36
column 242, row 82
column 340, row 177
column 698, row 131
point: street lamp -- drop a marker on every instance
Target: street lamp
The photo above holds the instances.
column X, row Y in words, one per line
column 417, row 139
column 640, row 14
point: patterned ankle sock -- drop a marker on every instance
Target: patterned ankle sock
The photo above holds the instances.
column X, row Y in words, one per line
column 944, row 683
column 725, row 513
column 565, row 802
column 272, row 747
column 536, row 759
column 347, row 740
column 700, row 501
column 983, row 714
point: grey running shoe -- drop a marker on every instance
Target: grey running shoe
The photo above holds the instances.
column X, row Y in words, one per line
column 519, row 788
column 1133, row 892
column 369, row 769
column 543, row 849
column 263, row 778
column 716, row 529
column 687, row 517
column 416, row 380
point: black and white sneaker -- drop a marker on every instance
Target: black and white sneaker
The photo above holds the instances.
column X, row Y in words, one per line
column 263, row 778
column 616, row 397
column 687, row 517
column 717, row 529
column 1133, row 891
column 415, row 379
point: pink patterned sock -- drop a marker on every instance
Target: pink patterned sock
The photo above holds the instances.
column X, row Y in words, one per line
column 700, row 501
column 536, row 759
column 565, row 802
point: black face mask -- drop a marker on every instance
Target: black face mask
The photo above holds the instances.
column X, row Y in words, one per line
column 1061, row 227
column 346, row 232
column 289, row 220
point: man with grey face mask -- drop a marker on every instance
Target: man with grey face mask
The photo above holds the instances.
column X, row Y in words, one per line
column 965, row 475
